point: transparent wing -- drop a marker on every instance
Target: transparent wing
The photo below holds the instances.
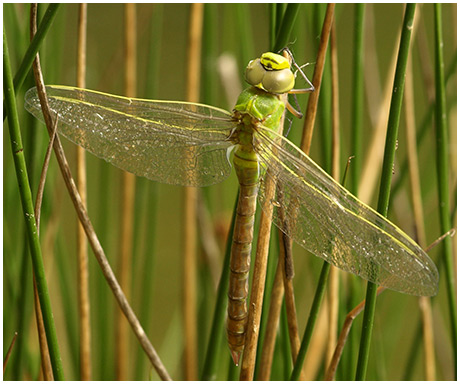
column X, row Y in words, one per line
column 324, row 218
column 169, row 142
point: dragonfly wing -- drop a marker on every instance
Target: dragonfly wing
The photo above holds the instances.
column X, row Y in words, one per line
column 169, row 142
column 327, row 220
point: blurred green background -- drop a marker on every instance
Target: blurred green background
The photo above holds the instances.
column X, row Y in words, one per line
column 241, row 32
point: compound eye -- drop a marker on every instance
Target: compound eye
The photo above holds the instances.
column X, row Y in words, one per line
column 255, row 73
column 279, row 81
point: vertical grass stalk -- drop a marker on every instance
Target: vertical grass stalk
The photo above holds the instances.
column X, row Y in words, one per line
column 442, row 143
column 314, row 311
column 357, row 97
column 284, row 31
column 385, row 183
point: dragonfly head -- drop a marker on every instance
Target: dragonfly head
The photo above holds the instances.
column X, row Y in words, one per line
column 270, row 72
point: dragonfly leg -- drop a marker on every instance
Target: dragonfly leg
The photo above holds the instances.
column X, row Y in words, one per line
column 299, row 69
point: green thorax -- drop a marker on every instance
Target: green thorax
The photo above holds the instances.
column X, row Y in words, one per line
column 256, row 106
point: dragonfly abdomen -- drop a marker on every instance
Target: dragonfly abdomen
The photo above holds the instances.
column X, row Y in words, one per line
column 247, row 170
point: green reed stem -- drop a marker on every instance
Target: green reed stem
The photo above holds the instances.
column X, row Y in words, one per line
column 35, row 44
column 284, row 32
column 442, row 164
column 314, row 311
column 357, row 98
column 357, row 152
column 28, row 208
column 385, row 183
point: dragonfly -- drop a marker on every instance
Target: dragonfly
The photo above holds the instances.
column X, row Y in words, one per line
column 191, row 144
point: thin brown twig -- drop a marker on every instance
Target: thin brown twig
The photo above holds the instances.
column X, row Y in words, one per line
column 92, row 237
column 286, row 265
column 190, row 203
column 450, row 233
column 82, row 242
column 258, row 283
column 46, row 367
column 276, row 300
column 44, row 353
column 8, row 353
column 312, row 106
column 41, row 184
column 330, row 373
column 128, row 186
column 282, row 285
column 333, row 284
column 289, row 299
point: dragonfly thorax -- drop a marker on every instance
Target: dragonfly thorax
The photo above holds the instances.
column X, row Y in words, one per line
column 257, row 107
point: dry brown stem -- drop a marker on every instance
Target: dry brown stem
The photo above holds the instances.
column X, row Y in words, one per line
column 191, row 197
column 82, row 242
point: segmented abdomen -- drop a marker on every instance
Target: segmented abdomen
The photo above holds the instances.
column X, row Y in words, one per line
column 247, row 169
